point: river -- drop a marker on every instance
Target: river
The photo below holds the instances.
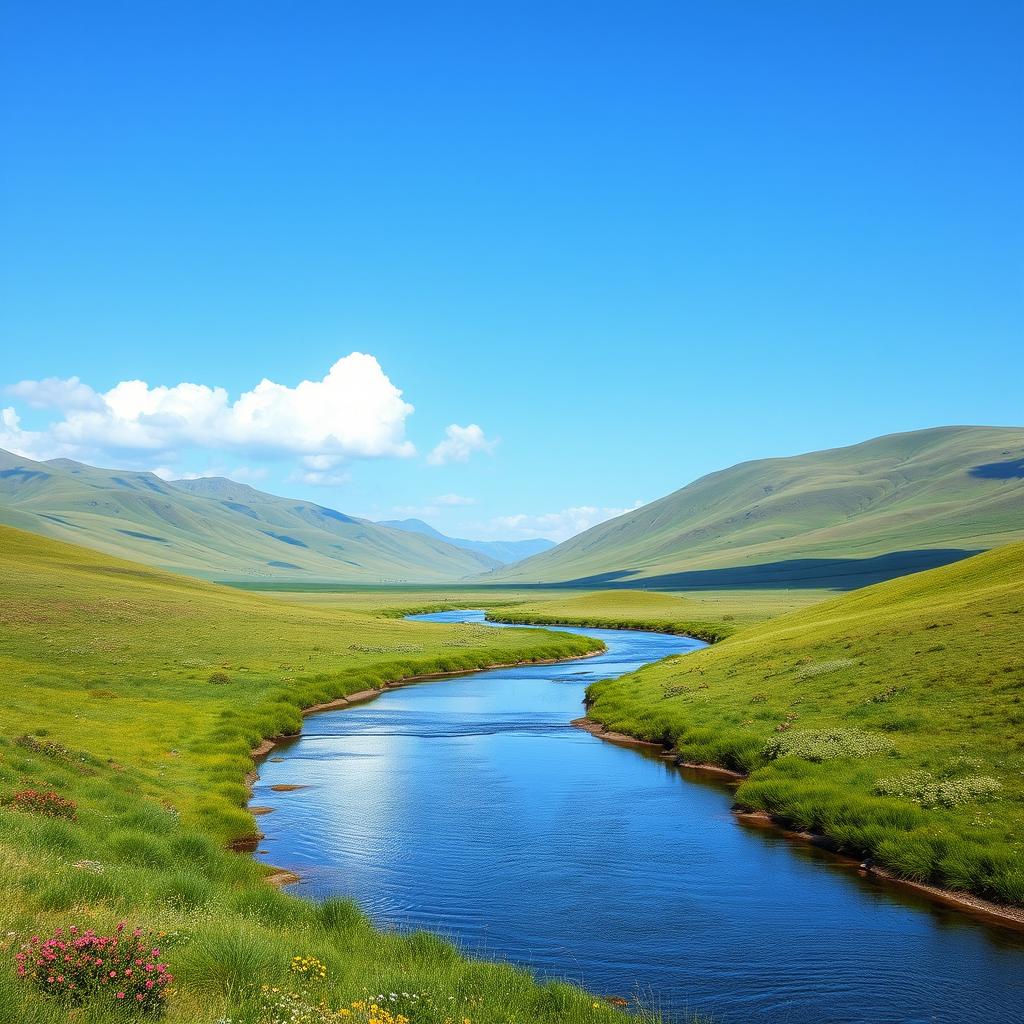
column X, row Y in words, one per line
column 471, row 807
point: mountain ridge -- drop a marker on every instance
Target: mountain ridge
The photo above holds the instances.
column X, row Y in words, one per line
column 216, row 528
column 505, row 551
column 956, row 488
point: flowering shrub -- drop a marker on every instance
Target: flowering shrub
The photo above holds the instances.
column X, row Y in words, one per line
column 370, row 1012
column 58, row 752
column 309, row 967
column 36, row 801
column 923, row 788
column 122, row 969
column 48, row 747
column 281, row 1007
column 826, row 744
column 277, row 1007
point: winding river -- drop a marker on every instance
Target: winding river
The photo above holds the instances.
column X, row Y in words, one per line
column 470, row 806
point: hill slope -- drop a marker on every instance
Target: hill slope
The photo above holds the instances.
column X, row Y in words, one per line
column 139, row 694
column 216, row 528
column 504, row 551
column 889, row 719
column 892, row 505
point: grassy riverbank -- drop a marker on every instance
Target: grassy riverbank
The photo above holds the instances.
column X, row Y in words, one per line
column 137, row 695
column 711, row 616
column 890, row 720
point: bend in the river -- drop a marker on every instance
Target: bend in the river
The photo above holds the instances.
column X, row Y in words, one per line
column 470, row 806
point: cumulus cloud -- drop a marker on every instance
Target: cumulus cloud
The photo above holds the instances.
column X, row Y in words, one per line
column 353, row 412
column 32, row 444
column 57, row 393
column 459, row 444
column 557, row 526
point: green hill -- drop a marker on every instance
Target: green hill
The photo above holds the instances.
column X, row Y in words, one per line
column 217, row 529
column 890, row 719
column 842, row 518
column 138, row 695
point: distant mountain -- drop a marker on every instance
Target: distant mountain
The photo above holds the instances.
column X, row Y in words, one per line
column 218, row 529
column 505, row 552
column 844, row 517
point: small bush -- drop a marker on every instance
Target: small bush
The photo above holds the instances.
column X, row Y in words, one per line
column 120, row 969
column 45, row 802
column 48, row 748
column 218, row 678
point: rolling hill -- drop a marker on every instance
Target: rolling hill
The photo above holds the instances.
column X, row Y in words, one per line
column 504, row 551
column 136, row 696
column 217, row 529
column 845, row 518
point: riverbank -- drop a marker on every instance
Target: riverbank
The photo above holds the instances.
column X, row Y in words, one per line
column 974, row 905
column 850, row 719
column 137, row 697
column 414, row 804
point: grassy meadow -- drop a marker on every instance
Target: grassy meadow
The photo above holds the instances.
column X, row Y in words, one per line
column 138, row 695
column 890, row 719
column 711, row 615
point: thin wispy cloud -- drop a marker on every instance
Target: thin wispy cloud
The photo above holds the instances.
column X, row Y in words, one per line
column 556, row 526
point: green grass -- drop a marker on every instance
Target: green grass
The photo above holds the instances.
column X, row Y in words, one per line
column 890, row 719
column 710, row 616
column 947, row 488
column 107, row 666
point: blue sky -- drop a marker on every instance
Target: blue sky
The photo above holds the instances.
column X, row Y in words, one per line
column 630, row 243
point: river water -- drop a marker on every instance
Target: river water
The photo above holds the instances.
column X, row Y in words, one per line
column 471, row 807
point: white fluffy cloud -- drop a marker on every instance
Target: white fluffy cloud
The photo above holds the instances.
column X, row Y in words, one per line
column 459, row 444
column 557, row 526
column 57, row 393
column 353, row 412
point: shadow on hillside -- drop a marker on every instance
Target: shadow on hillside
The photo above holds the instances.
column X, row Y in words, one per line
column 1012, row 469
column 797, row 573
